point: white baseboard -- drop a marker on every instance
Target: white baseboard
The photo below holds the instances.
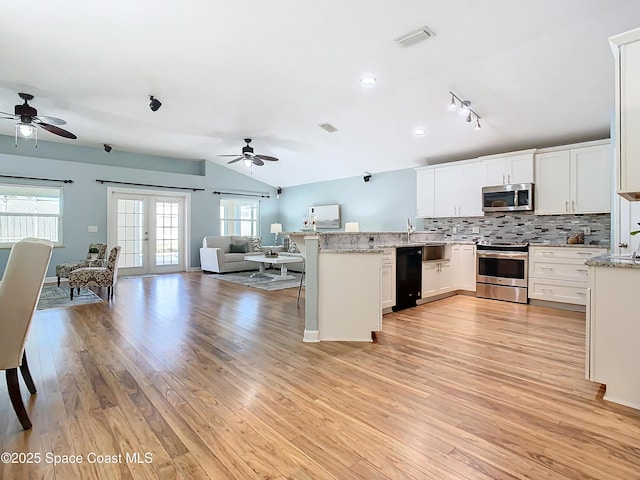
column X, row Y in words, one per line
column 311, row 336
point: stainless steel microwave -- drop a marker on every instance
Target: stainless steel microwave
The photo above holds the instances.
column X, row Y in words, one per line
column 515, row 197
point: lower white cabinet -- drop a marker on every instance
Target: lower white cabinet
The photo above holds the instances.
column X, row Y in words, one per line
column 388, row 279
column 464, row 261
column 437, row 278
column 558, row 274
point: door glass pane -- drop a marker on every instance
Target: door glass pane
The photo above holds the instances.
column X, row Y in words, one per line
column 131, row 232
column 167, row 232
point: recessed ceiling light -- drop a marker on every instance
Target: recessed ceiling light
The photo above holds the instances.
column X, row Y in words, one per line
column 368, row 80
column 418, row 132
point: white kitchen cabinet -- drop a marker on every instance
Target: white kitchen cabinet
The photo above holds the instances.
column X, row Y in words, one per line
column 388, row 279
column 613, row 329
column 458, row 190
column 626, row 50
column 558, row 274
column 508, row 168
column 437, row 278
column 573, row 180
column 425, row 193
column 463, row 260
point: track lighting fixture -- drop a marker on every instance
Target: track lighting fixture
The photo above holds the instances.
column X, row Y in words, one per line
column 107, row 148
column 155, row 104
column 278, row 192
column 367, row 177
column 465, row 109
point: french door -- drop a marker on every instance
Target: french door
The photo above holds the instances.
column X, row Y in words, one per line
column 150, row 230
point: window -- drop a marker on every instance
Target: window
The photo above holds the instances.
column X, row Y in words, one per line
column 239, row 217
column 30, row 211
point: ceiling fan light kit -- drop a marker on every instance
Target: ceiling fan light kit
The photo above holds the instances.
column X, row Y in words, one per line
column 29, row 119
column 464, row 110
column 248, row 157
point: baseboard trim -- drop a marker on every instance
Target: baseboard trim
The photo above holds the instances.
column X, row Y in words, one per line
column 311, row 336
column 562, row 306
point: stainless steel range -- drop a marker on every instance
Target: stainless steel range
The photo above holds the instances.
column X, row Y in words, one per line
column 503, row 270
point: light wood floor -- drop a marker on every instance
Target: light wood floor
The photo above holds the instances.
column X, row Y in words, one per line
column 213, row 381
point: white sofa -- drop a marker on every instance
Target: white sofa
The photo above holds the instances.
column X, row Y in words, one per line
column 216, row 255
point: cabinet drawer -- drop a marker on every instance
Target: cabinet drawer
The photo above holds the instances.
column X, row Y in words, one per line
column 560, row 269
column 558, row 291
column 388, row 256
column 579, row 253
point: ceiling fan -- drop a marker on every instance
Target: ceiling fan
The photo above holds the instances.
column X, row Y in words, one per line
column 28, row 117
column 249, row 157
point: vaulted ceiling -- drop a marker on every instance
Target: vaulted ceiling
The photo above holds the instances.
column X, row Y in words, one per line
column 538, row 73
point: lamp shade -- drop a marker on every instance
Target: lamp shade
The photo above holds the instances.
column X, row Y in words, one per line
column 352, row 227
column 276, row 228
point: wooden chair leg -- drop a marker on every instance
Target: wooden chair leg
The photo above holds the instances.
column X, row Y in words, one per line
column 58, row 281
column 71, row 292
column 16, row 399
column 26, row 374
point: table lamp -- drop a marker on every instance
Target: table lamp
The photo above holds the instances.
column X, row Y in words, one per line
column 276, row 228
column 352, row 227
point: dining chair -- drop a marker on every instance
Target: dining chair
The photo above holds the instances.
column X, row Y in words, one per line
column 19, row 292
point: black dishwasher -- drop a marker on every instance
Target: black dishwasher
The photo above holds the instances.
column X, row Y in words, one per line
column 408, row 277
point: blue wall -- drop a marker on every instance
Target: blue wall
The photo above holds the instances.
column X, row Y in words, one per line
column 382, row 204
column 85, row 200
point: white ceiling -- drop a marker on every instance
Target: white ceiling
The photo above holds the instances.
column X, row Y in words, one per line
column 539, row 73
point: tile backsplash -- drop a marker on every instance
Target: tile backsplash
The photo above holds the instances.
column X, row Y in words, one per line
column 524, row 227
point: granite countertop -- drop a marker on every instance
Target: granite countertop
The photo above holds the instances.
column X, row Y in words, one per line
column 558, row 244
column 352, row 250
column 619, row 261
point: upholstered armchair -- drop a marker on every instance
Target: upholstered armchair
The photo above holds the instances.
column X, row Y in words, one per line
column 19, row 292
column 62, row 270
column 96, row 276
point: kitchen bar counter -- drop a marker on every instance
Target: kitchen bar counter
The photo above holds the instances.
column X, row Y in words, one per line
column 616, row 261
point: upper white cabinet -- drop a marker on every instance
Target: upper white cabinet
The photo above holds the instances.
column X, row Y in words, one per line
column 425, row 195
column 626, row 50
column 453, row 190
column 573, row 180
column 508, row 168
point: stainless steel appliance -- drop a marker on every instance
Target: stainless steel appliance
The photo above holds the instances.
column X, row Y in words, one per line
column 503, row 270
column 408, row 277
column 508, row 198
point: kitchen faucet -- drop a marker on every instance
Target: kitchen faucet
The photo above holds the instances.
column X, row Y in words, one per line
column 409, row 230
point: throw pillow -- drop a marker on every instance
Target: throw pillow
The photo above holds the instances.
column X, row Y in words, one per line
column 293, row 248
column 238, row 248
column 256, row 244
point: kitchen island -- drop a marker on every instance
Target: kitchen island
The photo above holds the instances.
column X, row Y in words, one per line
column 613, row 327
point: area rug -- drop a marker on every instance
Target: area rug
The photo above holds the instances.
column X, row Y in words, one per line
column 58, row 297
column 264, row 283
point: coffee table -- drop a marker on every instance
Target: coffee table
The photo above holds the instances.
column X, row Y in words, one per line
column 281, row 260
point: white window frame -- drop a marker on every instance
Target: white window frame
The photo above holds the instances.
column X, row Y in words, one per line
column 29, row 191
column 238, row 221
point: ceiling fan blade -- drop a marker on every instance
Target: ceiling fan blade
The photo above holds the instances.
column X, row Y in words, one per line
column 10, row 115
column 234, row 160
column 257, row 161
column 230, row 155
column 49, row 120
column 56, row 130
column 267, row 158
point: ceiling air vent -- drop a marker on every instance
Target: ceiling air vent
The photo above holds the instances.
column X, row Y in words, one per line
column 416, row 36
column 328, row 127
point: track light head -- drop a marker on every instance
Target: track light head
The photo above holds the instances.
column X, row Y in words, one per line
column 452, row 105
column 155, row 104
column 477, row 127
column 278, row 192
column 367, row 177
column 107, row 148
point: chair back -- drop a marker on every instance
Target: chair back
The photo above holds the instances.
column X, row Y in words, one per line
column 112, row 264
column 19, row 293
column 102, row 250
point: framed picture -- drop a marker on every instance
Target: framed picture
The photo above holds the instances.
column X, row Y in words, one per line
column 327, row 216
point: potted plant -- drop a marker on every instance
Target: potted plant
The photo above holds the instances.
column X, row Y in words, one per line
column 93, row 253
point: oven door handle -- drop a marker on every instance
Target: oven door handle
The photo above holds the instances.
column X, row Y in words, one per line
column 514, row 255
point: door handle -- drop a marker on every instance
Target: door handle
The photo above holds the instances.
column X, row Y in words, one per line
column 573, row 205
column 566, row 206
